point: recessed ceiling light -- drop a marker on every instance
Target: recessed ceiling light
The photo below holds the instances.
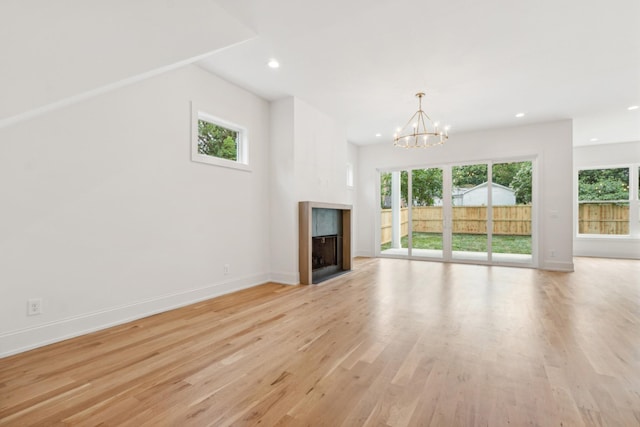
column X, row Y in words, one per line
column 520, row 115
column 378, row 135
column 273, row 63
column 633, row 107
column 593, row 140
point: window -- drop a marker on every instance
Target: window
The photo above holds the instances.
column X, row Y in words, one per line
column 483, row 212
column 218, row 142
column 349, row 175
column 603, row 201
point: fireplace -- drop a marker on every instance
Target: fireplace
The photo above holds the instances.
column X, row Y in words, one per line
column 325, row 241
column 326, row 259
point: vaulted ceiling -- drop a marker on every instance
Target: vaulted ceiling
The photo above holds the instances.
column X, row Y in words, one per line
column 54, row 54
column 479, row 63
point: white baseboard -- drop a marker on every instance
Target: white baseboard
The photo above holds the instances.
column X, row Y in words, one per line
column 557, row 266
column 366, row 254
column 18, row 341
column 590, row 254
column 285, row 278
column 607, row 247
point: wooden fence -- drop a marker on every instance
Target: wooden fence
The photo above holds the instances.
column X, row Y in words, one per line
column 603, row 218
column 509, row 220
column 386, row 221
column 593, row 218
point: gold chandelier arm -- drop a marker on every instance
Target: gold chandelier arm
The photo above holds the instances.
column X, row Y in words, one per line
column 409, row 123
column 424, row 125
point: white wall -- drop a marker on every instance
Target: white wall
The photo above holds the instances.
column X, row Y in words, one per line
column 318, row 147
column 353, row 158
column 549, row 143
column 105, row 217
column 283, row 208
column 56, row 52
column 605, row 155
column 321, row 156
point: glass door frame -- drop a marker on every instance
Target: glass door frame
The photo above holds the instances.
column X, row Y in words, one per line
column 445, row 236
column 489, row 218
column 447, row 206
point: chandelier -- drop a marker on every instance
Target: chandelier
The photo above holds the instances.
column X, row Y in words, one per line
column 416, row 134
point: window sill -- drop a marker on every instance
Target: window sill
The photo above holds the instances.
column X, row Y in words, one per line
column 616, row 237
column 199, row 158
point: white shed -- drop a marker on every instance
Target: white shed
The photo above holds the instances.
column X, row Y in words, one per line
column 477, row 196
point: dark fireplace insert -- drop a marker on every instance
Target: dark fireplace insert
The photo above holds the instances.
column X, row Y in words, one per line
column 324, row 251
column 326, row 256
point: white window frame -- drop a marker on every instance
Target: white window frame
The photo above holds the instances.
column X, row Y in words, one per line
column 447, row 205
column 634, row 203
column 350, row 176
column 242, row 162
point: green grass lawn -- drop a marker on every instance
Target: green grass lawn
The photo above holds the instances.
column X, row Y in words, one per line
column 470, row 242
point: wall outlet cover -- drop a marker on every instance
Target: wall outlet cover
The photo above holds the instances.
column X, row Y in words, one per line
column 34, row 306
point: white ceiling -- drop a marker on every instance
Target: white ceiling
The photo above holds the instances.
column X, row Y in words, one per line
column 480, row 63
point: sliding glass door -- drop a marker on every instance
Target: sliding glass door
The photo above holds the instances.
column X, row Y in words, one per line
column 427, row 219
column 412, row 226
column 469, row 207
column 394, row 215
column 511, row 212
column 470, row 213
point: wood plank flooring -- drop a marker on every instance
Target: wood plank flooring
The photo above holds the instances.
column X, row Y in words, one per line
column 395, row 343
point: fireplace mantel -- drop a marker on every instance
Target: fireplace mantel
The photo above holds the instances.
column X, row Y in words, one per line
column 306, row 234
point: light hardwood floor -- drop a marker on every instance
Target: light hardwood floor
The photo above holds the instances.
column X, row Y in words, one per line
column 395, row 343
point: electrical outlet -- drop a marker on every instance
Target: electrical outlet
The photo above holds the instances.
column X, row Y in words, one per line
column 34, row 306
column 226, row 269
column 553, row 254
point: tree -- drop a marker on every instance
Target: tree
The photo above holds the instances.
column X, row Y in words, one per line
column 521, row 183
column 214, row 140
column 603, row 184
column 427, row 183
column 385, row 189
column 504, row 173
column 426, row 186
column 472, row 175
column 469, row 176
